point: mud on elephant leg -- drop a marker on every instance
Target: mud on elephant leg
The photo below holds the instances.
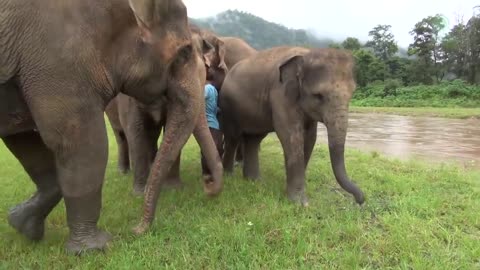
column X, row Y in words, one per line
column 251, row 166
column 29, row 217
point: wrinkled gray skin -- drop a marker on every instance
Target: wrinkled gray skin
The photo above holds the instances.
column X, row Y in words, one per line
column 287, row 90
column 137, row 127
column 61, row 63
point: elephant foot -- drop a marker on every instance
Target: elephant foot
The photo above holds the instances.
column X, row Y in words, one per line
column 251, row 175
column 174, row 183
column 141, row 228
column 210, row 186
column 138, row 189
column 228, row 168
column 298, row 197
column 123, row 169
column 25, row 222
column 238, row 163
column 98, row 240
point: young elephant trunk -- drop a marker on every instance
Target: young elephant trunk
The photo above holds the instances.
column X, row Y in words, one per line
column 214, row 184
column 337, row 131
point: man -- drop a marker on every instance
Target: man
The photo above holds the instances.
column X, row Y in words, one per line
column 211, row 110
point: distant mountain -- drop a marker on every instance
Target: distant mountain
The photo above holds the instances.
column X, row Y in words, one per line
column 258, row 32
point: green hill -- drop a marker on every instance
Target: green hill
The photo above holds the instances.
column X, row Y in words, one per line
column 258, row 32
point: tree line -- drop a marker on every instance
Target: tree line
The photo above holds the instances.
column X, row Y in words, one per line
column 432, row 58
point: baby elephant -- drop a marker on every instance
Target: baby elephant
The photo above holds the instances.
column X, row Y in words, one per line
column 288, row 90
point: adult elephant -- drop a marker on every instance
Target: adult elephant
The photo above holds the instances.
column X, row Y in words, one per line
column 137, row 126
column 287, row 90
column 61, row 63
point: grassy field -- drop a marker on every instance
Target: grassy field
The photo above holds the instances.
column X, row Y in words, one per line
column 416, row 216
column 461, row 113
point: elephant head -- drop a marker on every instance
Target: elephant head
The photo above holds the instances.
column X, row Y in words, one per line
column 167, row 66
column 215, row 63
column 162, row 42
column 214, row 52
column 322, row 83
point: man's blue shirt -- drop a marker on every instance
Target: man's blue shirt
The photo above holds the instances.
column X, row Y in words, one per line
column 211, row 98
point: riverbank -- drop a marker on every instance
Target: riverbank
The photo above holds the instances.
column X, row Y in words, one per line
column 419, row 215
column 459, row 113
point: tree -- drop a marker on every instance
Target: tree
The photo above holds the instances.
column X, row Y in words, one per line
column 473, row 30
column 455, row 50
column 368, row 67
column 396, row 69
column 382, row 42
column 427, row 47
column 352, row 44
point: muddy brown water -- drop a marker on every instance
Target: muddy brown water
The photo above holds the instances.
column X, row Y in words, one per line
column 428, row 138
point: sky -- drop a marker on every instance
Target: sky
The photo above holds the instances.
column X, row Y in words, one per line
column 339, row 19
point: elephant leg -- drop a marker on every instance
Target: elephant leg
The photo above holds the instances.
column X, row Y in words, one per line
column 229, row 154
column 38, row 161
column 78, row 139
column 142, row 136
column 291, row 136
column 112, row 112
column 251, row 165
column 310, row 138
column 217, row 137
column 239, row 154
column 123, row 152
column 173, row 178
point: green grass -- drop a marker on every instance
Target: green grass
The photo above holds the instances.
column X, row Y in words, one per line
column 460, row 113
column 416, row 216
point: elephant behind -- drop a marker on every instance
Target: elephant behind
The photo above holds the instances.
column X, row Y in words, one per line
column 61, row 63
column 288, row 90
column 137, row 126
column 234, row 50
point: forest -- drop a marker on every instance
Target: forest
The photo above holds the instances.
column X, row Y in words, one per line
column 434, row 71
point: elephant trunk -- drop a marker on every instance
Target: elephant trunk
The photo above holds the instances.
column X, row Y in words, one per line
column 337, row 131
column 213, row 184
column 181, row 120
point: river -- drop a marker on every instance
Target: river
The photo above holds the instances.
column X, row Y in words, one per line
column 430, row 138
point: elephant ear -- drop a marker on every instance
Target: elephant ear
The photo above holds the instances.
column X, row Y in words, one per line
column 221, row 51
column 144, row 11
column 207, row 50
column 207, row 46
column 291, row 74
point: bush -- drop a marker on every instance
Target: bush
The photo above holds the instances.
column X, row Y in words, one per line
column 391, row 93
column 391, row 86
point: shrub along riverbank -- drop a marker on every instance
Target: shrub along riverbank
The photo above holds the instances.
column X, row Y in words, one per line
column 455, row 99
column 454, row 94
